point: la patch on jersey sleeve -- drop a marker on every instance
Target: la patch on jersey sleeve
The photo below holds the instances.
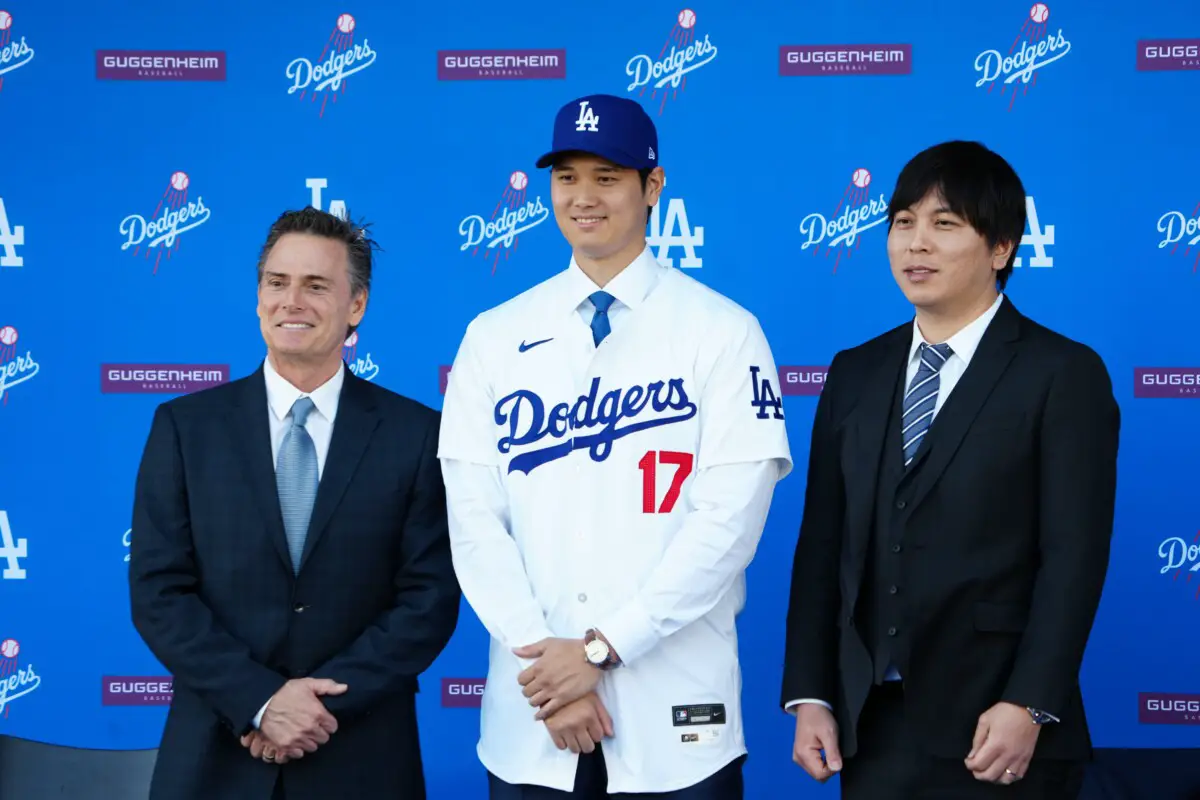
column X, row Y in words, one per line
column 741, row 408
column 467, row 432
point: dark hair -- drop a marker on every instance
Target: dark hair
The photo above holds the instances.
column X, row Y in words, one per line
column 359, row 245
column 976, row 184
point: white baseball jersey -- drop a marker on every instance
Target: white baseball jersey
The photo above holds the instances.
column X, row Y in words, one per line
column 622, row 487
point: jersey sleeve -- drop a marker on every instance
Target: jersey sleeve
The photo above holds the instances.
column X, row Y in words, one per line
column 741, row 408
column 467, row 429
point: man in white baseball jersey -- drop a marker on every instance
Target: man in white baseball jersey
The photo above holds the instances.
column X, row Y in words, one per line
column 610, row 443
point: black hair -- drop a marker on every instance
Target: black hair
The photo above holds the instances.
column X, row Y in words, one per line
column 976, row 184
column 359, row 245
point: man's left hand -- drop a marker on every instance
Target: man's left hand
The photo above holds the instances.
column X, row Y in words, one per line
column 1004, row 741
column 560, row 676
column 259, row 745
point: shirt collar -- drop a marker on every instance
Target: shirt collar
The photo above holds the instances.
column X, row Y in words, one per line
column 630, row 287
column 282, row 395
column 966, row 341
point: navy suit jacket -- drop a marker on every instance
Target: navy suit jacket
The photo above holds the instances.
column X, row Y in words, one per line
column 214, row 596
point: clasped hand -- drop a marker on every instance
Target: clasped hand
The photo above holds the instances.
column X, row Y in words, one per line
column 561, row 685
column 1005, row 738
column 295, row 722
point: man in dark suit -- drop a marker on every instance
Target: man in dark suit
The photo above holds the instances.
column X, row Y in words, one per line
column 947, row 574
column 290, row 561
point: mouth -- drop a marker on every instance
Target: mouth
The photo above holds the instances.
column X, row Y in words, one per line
column 919, row 273
column 294, row 326
column 588, row 223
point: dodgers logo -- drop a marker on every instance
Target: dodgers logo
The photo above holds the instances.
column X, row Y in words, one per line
column 340, row 59
column 14, row 368
column 15, row 680
column 1178, row 227
column 513, row 215
column 764, row 396
column 1037, row 48
column 856, row 212
column 362, row 366
column 174, row 215
column 680, row 55
column 14, row 53
column 615, row 415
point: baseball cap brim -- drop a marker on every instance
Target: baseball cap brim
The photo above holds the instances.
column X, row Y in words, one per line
column 618, row 157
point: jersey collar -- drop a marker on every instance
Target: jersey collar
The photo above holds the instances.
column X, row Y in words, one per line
column 631, row 286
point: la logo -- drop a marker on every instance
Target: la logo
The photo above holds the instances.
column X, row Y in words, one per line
column 764, row 396
column 587, row 118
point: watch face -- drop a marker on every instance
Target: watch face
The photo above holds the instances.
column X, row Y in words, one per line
column 597, row 651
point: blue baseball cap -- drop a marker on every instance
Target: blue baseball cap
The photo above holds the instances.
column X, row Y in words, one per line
column 615, row 128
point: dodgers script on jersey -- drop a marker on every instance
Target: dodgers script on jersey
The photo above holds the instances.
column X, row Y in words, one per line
column 612, row 466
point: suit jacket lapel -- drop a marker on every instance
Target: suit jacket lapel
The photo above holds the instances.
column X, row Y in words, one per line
column 254, row 438
column 951, row 424
column 356, row 421
column 868, row 426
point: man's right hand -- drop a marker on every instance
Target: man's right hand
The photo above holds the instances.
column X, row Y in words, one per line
column 296, row 721
column 816, row 730
column 580, row 725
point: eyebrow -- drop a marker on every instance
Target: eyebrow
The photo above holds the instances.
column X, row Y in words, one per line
column 270, row 274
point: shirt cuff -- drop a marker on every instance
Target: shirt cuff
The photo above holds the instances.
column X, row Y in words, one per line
column 792, row 704
column 258, row 717
column 630, row 632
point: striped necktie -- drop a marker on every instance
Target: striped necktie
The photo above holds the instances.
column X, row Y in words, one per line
column 921, row 398
column 296, row 478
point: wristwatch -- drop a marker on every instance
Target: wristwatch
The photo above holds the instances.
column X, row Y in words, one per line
column 1040, row 717
column 597, row 651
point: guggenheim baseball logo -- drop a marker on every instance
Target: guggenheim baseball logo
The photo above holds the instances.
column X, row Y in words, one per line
column 462, row 692
column 1161, row 708
column 14, row 53
column 679, row 55
column 1035, row 46
column 161, row 378
column 802, row 381
column 136, row 691
column 501, row 65
column 341, row 57
column 1161, row 55
column 16, row 680
column 160, row 65
column 1166, row 382
column 845, row 59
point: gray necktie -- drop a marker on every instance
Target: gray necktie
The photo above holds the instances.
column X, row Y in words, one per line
column 296, row 478
column 921, row 398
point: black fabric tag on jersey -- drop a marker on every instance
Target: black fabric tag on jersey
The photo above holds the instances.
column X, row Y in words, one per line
column 711, row 714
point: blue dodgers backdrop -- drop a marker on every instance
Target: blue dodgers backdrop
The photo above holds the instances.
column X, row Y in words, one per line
column 146, row 152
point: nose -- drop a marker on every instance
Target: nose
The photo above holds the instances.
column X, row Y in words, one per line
column 293, row 297
column 920, row 241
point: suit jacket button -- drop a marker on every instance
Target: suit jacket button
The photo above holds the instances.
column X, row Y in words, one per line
column 892, row 590
column 895, row 548
column 892, row 631
column 901, row 504
column 299, row 608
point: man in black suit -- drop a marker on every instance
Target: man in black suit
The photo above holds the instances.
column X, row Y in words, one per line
column 290, row 560
column 947, row 574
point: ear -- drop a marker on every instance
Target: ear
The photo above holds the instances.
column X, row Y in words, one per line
column 655, row 183
column 358, row 307
column 1000, row 255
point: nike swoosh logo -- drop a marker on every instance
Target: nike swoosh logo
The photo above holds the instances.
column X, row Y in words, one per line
column 523, row 347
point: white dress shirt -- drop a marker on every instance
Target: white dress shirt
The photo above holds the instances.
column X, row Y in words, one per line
column 281, row 396
column 963, row 346
column 559, row 518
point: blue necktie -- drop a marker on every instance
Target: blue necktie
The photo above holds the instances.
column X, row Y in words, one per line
column 921, row 398
column 600, row 327
column 296, row 478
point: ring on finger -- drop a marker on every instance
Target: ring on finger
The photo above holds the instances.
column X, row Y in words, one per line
column 1015, row 776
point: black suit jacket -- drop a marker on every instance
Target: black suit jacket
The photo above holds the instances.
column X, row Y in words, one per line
column 214, row 595
column 1006, row 536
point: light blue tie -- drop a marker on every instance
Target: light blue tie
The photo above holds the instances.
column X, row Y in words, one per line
column 296, row 478
column 921, row 398
column 600, row 325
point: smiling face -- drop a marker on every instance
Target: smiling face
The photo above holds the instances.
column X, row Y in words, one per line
column 305, row 305
column 941, row 263
column 601, row 207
